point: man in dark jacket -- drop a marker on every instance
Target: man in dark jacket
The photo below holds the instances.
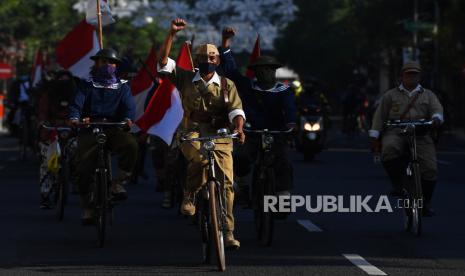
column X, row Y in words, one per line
column 268, row 104
column 103, row 98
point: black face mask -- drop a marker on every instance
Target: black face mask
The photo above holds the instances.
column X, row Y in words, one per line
column 206, row 67
column 266, row 77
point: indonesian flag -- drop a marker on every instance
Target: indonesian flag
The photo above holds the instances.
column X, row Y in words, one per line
column 255, row 54
column 74, row 51
column 37, row 68
column 91, row 13
column 164, row 111
column 143, row 83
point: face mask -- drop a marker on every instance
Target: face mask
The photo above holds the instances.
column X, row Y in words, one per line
column 266, row 77
column 105, row 74
column 206, row 67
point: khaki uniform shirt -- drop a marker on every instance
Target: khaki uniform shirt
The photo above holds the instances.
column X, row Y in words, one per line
column 395, row 101
column 200, row 96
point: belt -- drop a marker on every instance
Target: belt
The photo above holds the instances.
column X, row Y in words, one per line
column 208, row 118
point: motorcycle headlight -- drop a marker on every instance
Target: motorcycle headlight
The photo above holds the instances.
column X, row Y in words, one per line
column 316, row 127
column 209, row 145
column 307, row 126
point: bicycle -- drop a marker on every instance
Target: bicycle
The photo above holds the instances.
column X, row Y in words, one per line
column 60, row 181
column 26, row 132
column 264, row 183
column 413, row 189
column 210, row 203
column 100, row 198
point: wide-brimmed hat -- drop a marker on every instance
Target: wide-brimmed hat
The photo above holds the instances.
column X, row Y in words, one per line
column 107, row 53
column 265, row 61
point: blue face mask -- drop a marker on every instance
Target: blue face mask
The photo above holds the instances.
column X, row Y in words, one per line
column 206, row 67
column 105, row 74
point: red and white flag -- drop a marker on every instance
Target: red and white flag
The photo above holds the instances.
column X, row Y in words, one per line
column 37, row 68
column 164, row 111
column 74, row 51
column 143, row 82
column 91, row 13
column 253, row 56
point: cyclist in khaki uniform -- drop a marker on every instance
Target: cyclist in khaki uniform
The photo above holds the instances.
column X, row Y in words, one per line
column 210, row 102
column 409, row 101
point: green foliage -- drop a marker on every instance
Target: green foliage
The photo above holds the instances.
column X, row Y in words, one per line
column 43, row 23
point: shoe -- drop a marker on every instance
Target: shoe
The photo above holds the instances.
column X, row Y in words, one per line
column 396, row 192
column 167, row 203
column 428, row 211
column 187, row 205
column 243, row 198
column 230, row 242
column 118, row 192
column 45, row 203
column 283, row 193
column 87, row 217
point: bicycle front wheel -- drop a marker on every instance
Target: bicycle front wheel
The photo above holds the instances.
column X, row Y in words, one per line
column 215, row 219
column 266, row 235
column 62, row 190
column 101, row 206
column 417, row 196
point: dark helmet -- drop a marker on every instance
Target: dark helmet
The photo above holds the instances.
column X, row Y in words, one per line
column 265, row 61
column 107, row 53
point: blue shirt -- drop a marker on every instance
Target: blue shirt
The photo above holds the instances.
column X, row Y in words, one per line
column 114, row 103
column 272, row 109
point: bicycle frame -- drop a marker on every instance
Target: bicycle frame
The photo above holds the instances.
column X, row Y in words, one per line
column 415, row 195
column 212, row 209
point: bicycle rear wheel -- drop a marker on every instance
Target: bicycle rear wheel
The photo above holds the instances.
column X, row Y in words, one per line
column 217, row 231
column 205, row 229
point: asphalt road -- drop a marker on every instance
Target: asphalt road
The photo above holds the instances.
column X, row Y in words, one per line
column 148, row 240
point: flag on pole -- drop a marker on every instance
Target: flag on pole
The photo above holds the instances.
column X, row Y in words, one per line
column 91, row 13
column 164, row 111
column 255, row 54
column 74, row 51
column 143, row 83
column 37, row 68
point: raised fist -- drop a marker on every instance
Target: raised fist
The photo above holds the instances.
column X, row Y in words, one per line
column 228, row 32
column 177, row 25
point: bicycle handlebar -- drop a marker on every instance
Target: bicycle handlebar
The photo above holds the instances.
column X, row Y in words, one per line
column 268, row 131
column 209, row 138
column 402, row 124
column 58, row 128
column 101, row 124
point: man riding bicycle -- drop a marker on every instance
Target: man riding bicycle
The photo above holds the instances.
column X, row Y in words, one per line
column 269, row 105
column 103, row 98
column 408, row 101
column 210, row 102
column 53, row 110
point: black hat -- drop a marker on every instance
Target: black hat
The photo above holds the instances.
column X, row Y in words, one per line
column 265, row 61
column 107, row 53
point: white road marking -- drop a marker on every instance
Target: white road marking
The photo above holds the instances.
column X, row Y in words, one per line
column 361, row 263
column 307, row 224
column 444, row 162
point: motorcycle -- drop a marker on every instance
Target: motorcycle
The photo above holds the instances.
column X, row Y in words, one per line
column 312, row 135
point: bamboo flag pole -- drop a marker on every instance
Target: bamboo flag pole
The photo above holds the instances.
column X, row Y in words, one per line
column 99, row 20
